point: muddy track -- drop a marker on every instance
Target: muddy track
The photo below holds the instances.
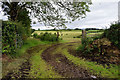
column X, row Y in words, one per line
column 62, row 65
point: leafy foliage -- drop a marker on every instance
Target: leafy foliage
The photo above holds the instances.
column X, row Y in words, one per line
column 49, row 12
column 8, row 37
column 113, row 34
column 46, row 37
column 35, row 35
column 84, row 47
column 13, row 35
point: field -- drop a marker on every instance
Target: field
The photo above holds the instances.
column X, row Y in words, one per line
column 68, row 36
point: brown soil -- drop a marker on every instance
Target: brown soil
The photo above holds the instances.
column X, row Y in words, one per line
column 62, row 65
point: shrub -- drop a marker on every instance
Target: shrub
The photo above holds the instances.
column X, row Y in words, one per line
column 80, row 48
column 48, row 37
column 97, row 37
column 8, row 37
column 35, row 35
column 113, row 34
column 85, row 46
column 41, row 33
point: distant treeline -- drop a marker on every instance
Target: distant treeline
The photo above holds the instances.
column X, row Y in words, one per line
column 92, row 29
column 69, row 29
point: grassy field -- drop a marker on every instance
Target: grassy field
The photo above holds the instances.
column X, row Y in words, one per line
column 68, row 36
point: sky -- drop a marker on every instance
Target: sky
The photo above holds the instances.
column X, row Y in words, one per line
column 103, row 13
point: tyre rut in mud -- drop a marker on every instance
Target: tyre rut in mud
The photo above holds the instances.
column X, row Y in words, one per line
column 62, row 65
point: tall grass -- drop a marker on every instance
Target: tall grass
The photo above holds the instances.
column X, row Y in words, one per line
column 106, row 72
column 30, row 42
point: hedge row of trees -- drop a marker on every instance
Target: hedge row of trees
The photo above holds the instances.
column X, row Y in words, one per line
column 16, row 30
column 113, row 34
column 13, row 36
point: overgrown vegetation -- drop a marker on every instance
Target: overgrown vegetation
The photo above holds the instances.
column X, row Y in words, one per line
column 105, row 72
column 8, row 38
column 46, row 37
column 84, row 47
column 99, row 49
column 113, row 34
column 13, row 36
column 28, row 44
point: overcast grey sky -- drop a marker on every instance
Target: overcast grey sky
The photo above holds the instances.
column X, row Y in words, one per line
column 103, row 12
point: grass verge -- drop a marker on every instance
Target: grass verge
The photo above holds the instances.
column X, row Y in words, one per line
column 111, row 72
column 30, row 42
column 40, row 69
column 15, row 60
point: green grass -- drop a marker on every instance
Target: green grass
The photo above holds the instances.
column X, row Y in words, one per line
column 67, row 35
column 93, row 67
column 17, row 58
column 94, row 34
column 106, row 72
column 30, row 42
column 40, row 69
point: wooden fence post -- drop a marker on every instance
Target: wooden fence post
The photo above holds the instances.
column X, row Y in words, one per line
column 83, row 34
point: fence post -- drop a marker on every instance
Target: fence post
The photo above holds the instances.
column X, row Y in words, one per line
column 83, row 34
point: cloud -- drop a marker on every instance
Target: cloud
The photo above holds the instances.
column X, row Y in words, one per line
column 103, row 12
column 101, row 15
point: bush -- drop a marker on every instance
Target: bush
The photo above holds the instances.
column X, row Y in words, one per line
column 48, row 37
column 85, row 46
column 113, row 34
column 8, row 37
column 35, row 35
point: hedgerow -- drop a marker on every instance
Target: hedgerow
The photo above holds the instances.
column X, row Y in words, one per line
column 8, row 37
column 113, row 34
column 46, row 37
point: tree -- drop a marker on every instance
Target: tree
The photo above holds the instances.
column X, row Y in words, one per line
column 51, row 13
column 38, row 29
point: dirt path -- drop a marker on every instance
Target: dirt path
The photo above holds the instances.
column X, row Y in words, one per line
column 59, row 62
column 62, row 65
